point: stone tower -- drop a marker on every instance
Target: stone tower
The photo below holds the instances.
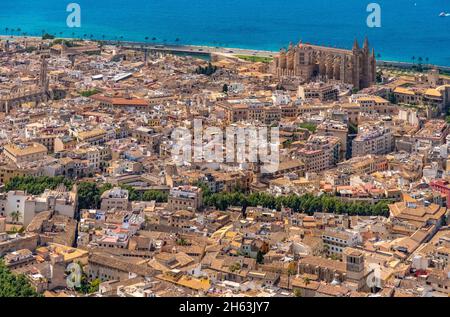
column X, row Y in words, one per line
column 354, row 264
column 356, row 64
column 433, row 77
column 43, row 76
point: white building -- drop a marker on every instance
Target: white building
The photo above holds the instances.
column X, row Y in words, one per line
column 336, row 240
column 373, row 139
column 115, row 198
column 20, row 207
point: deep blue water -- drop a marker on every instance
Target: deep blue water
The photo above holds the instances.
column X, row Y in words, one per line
column 409, row 27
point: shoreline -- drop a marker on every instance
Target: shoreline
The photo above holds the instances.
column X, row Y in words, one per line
column 205, row 49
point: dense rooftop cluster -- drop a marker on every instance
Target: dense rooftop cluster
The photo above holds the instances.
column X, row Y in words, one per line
column 356, row 207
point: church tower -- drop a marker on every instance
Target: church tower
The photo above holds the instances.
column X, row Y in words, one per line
column 366, row 65
column 354, row 265
column 356, row 61
column 43, row 79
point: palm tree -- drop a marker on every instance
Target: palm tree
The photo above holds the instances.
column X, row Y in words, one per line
column 413, row 59
column 25, row 35
column 420, row 59
column 307, row 280
column 154, row 39
column 6, row 30
column 15, row 216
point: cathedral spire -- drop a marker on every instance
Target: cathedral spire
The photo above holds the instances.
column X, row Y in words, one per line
column 355, row 44
column 366, row 44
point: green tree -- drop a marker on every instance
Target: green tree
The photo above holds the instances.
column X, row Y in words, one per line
column 292, row 270
column 89, row 93
column 379, row 76
column 94, row 286
column 157, row 196
column 307, row 203
column 37, row 185
column 311, row 127
column 12, row 285
column 206, row 70
column 88, row 196
column 307, row 280
column 15, row 216
column 260, row 257
column 47, row 36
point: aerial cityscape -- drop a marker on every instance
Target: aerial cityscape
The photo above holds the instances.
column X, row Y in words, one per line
column 153, row 169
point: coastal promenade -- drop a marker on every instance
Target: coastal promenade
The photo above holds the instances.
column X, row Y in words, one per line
column 209, row 50
column 195, row 49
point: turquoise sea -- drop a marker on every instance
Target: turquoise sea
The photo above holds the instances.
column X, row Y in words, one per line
column 408, row 27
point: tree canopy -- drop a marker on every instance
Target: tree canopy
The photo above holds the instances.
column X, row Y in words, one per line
column 12, row 285
column 89, row 193
column 306, row 203
column 37, row 185
column 206, row 70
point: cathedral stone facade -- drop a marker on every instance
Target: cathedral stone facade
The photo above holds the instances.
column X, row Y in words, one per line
column 312, row 62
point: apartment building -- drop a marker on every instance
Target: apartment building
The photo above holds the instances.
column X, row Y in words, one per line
column 185, row 198
column 336, row 240
column 29, row 152
column 320, row 153
column 115, row 198
column 93, row 137
column 433, row 132
column 321, row 91
column 372, row 139
column 337, row 129
column 19, row 207
column 374, row 104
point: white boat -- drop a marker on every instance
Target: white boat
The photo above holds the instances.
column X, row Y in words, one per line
column 444, row 14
